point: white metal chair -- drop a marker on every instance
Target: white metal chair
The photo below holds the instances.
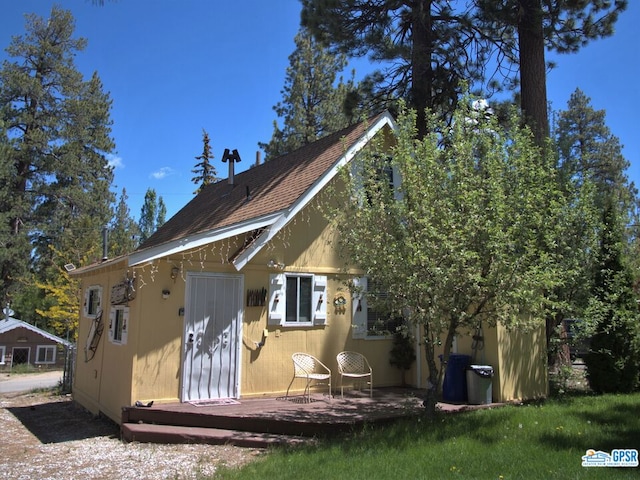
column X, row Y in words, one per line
column 354, row 365
column 312, row 370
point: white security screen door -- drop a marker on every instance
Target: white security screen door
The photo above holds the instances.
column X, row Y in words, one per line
column 212, row 326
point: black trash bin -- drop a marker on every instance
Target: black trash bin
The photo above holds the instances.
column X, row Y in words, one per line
column 454, row 388
column 479, row 384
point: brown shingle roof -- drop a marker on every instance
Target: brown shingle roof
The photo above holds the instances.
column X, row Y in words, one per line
column 273, row 186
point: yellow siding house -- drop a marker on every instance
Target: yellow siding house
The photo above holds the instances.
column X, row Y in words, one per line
column 215, row 302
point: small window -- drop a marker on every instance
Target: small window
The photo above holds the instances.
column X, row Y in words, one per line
column 3, row 352
column 118, row 324
column 92, row 301
column 380, row 321
column 46, row 354
column 373, row 317
column 299, row 299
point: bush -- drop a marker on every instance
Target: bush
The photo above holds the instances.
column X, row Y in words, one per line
column 613, row 362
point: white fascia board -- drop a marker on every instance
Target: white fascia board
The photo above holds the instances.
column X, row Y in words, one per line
column 200, row 239
column 287, row 215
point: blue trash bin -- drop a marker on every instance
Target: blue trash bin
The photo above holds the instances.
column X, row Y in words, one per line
column 454, row 388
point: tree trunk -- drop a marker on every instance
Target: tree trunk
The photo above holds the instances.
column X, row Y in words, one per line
column 431, row 398
column 533, row 78
column 421, row 71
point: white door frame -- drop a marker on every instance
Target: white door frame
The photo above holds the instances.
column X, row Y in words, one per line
column 188, row 312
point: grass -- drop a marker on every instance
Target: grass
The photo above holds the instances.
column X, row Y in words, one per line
column 545, row 440
column 22, row 369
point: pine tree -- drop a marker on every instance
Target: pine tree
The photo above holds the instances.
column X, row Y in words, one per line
column 613, row 321
column 312, row 104
column 589, row 151
column 522, row 30
column 152, row 214
column 124, row 232
column 162, row 213
column 58, row 134
column 427, row 49
column 592, row 172
column 205, row 173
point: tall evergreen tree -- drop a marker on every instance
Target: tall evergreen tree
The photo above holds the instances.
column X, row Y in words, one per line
column 592, row 171
column 58, row 134
column 124, row 231
column 312, row 105
column 613, row 361
column 431, row 47
column 521, row 32
column 589, row 151
column 152, row 214
column 589, row 154
column 161, row 216
column 205, row 172
column 427, row 48
column 13, row 242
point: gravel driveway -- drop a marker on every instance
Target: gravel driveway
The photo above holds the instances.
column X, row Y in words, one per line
column 46, row 436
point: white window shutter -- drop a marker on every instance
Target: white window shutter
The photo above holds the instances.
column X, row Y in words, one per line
column 277, row 300
column 320, row 300
column 359, row 309
column 125, row 325
column 86, row 301
column 99, row 304
column 112, row 322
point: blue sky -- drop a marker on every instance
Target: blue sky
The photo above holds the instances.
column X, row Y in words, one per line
column 176, row 67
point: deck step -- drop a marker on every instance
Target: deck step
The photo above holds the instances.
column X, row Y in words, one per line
column 151, row 433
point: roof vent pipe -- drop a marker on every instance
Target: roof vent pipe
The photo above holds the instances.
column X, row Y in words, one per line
column 105, row 246
column 231, row 157
column 257, row 158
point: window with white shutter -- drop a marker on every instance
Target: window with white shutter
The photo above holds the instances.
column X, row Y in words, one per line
column 92, row 301
column 118, row 324
column 369, row 322
column 297, row 300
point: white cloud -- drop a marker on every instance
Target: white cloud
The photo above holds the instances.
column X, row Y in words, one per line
column 114, row 161
column 162, row 173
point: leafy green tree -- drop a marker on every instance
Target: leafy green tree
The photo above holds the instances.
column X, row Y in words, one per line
column 312, row 105
column 152, row 214
column 61, row 304
column 124, row 231
column 205, row 173
column 57, row 135
column 468, row 235
column 613, row 320
column 522, row 30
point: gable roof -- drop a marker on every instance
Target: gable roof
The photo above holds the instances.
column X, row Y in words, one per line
column 262, row 199
column 8, row 324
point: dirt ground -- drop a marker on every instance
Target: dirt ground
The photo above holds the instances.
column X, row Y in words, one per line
column 47, row 436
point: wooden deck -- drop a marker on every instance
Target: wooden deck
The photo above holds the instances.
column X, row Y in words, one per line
column 263, row 422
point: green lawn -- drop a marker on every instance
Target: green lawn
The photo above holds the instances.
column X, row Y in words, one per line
column 537, row 441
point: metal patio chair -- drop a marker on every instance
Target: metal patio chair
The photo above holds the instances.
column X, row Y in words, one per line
column 312, row 370
column 354, row 365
